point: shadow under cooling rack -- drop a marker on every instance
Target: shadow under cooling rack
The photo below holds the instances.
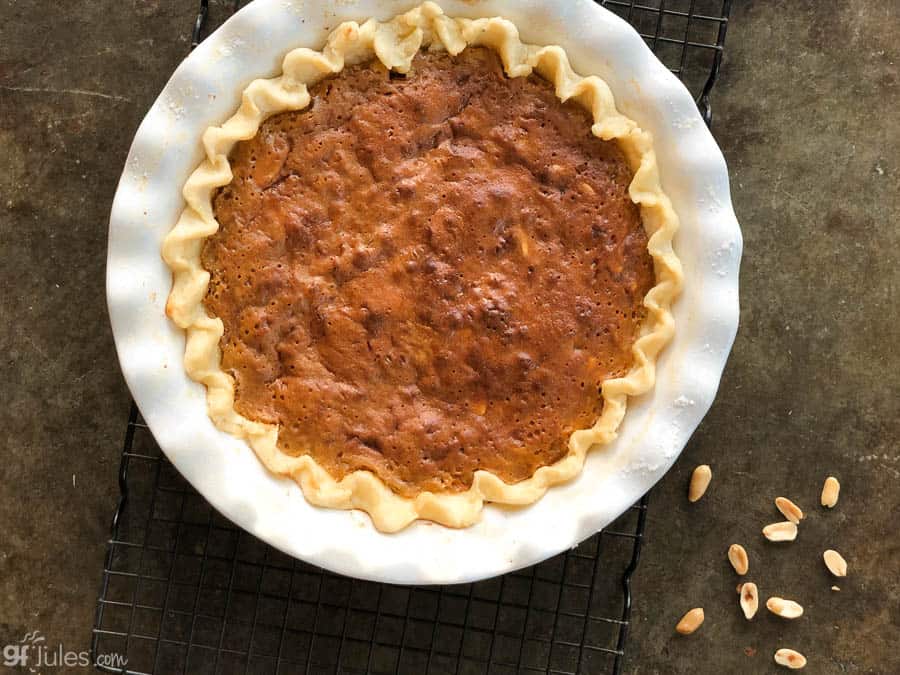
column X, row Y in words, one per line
column 185, row 591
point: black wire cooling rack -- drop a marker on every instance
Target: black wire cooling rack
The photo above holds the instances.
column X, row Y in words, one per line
column 186, row 591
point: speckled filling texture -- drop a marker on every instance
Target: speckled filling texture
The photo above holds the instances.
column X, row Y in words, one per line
column 427, row 275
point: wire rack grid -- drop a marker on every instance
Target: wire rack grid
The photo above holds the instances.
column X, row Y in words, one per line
column 183, row 590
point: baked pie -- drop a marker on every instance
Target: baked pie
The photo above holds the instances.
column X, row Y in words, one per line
column 424, row 268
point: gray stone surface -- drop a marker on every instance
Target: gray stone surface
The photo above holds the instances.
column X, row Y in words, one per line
column 806, row 115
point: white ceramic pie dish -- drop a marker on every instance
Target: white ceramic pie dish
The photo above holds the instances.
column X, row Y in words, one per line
column 205, row 90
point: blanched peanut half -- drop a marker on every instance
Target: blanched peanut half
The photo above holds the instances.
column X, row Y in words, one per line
column 785, row 531
column 737, row 556
column 749, row 600
column 830, row 492
column 586, row 189
column 690, row 621
column 835, row 563
column 525, row 244
column 790, row 659
column 699, row 482
column 789, row 510
column 786, row 609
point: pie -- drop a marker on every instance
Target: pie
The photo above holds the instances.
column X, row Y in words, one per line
column 424, row 268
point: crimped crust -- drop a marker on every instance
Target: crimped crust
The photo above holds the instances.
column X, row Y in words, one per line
column 395, row 43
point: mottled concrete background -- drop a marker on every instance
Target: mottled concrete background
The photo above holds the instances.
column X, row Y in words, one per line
column 807, row 114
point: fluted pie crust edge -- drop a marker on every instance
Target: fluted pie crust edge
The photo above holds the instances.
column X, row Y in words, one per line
column 395, row 43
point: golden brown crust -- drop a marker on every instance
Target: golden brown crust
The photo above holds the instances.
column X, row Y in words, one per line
column 395, row 43
column 427, row 276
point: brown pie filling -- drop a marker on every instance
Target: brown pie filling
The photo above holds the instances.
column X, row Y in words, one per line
column 428, row 275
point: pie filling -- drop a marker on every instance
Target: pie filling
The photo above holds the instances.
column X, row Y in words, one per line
column 428, row 275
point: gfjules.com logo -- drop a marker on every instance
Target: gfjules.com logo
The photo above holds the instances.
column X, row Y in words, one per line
column 34, row 653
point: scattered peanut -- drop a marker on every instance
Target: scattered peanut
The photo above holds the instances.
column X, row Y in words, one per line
column 830, row 492
column 749, row 600
column 690, row 621
column 737, row 556
column 789, row 510
column 835, row 588
column 784, row 531
column 790, row 659
column 700, row 479
column 835, row 563
column 786, row 609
